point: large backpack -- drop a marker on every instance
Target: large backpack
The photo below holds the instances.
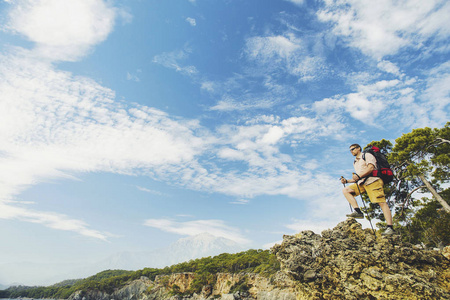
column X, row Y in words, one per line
column 383, row 168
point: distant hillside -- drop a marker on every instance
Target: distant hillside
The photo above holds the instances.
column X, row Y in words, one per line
column 254, row 261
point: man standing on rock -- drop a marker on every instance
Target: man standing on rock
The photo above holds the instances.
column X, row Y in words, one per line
column 373, row 186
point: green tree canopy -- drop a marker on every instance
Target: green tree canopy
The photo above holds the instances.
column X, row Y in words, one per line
column 421, row 162
column 422, row 158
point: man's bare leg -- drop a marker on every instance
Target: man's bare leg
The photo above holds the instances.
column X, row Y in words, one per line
column 387, row 212
column 348, row 193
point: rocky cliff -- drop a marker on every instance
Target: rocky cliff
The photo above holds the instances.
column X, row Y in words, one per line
column 226, row 287
column 346, row 262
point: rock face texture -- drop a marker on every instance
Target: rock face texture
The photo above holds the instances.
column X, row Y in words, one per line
column 348, row 262
column 279, row 287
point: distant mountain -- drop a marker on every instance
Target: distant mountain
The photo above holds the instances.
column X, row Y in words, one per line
column 201, row 245
column 30, row 273
column 185, row 249
column 3, row 287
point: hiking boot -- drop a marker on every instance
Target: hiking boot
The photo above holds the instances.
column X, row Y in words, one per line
column 355, row 215
column 388, row 231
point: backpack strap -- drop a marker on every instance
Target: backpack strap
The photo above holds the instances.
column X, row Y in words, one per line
column 366, row 177
column 363, row 157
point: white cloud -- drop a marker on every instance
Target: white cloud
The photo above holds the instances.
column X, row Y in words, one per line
column 150, row 191
column 208, row 86
column 50, row 219
column 384, row 27
column 389, row 67
column 266, row 48
column 132, row 77
column 241, row 201
column 437, row 93
column 171, row 60
column 190, row 228
column 62, row 30
column 230, row 104
column 54, row 124
column 328, row 105
column 311, row 165
column 273, row 135
column 417, row 103
column 191, row 21
column 362, row 108
column 297, row 2
column 287, row 52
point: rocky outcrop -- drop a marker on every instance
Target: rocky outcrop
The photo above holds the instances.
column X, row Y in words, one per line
column 278, row 286
column 133, row 291
column 348, row 262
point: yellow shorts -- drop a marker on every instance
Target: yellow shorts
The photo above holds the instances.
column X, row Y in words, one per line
column 374, row 191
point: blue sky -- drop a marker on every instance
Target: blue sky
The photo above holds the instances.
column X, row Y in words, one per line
column 126, row 125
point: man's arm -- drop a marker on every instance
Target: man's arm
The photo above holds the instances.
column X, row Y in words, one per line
column 357, row 177
column 367, row 172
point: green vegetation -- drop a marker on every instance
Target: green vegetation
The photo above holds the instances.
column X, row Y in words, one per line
column 421, row 162
column 251, row 261
column 241, row 287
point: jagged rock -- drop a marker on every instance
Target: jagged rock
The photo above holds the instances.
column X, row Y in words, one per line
column 133, row 291
column 348, row 262
column 446, row 252
column 89, row 295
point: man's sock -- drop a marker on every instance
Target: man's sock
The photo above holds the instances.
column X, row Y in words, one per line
column 358, row 210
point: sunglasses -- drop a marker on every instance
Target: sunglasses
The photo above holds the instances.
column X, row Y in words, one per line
column 351, row 149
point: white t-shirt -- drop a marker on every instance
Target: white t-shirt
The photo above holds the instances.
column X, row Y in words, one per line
column 361, row 166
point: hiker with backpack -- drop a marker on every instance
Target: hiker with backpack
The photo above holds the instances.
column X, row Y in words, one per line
column 368, row 178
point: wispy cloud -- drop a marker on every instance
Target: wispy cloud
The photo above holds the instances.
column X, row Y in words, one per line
column 383, row 28
column 241, row 201
column 150, row 191
column 172, row 60
column 133, row 77
column 287, row 52
column 297, row 2
column 190, row 228
column 191, row 21
column 389, row 67
column 51, row 220
column 54, row 124
column 437, row 93
column 415, row 102
column 230, row 104
column 275, row 64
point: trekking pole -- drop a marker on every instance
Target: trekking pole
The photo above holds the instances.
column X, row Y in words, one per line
column 365, row 208
column 351, row 208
